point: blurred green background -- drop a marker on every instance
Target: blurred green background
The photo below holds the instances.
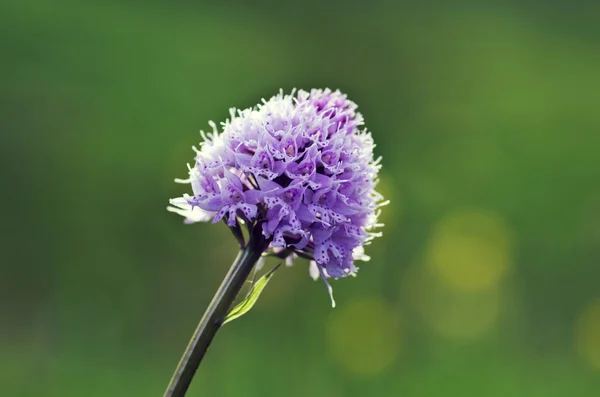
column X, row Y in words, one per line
column 486, row 282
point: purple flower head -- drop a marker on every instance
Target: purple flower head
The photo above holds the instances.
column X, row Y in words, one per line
column 297, row 167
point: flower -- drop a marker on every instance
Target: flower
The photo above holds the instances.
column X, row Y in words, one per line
column 298, row 167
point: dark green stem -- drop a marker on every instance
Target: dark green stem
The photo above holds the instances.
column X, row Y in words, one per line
column 214, row 315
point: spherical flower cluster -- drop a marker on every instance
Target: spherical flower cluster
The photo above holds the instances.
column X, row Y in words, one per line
column 298, row 167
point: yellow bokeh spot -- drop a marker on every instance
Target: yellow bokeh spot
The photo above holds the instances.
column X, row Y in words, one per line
column 470, row 250
column 587, row 334
column 461, row 316
column 365, row 336
column 450, row 313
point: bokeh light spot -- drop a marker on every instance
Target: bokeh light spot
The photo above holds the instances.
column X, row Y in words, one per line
column 450, row 313
column 587, row 334
column 365, row 336
column 470, row 250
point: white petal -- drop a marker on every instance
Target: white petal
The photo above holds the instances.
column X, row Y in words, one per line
column 313, row 270
column 289, row 260
column 181, row 207
column 359, row 254
column 330, row 291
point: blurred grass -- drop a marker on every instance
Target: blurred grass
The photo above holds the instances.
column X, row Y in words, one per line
column 474, row 109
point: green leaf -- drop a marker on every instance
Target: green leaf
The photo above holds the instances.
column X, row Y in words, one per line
column 244, row 306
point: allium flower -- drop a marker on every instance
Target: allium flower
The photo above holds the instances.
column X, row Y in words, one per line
column 298, row 167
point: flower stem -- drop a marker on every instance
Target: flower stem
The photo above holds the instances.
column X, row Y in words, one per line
column 215, row 314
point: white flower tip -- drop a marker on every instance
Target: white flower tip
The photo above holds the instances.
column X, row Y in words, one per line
column 182, row 207
column 313, row 270
column 330, row 290
column 289, row 260
column 321, row 272
column 359, row 254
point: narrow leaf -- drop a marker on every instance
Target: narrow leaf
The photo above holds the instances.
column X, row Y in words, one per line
column 244, row 306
